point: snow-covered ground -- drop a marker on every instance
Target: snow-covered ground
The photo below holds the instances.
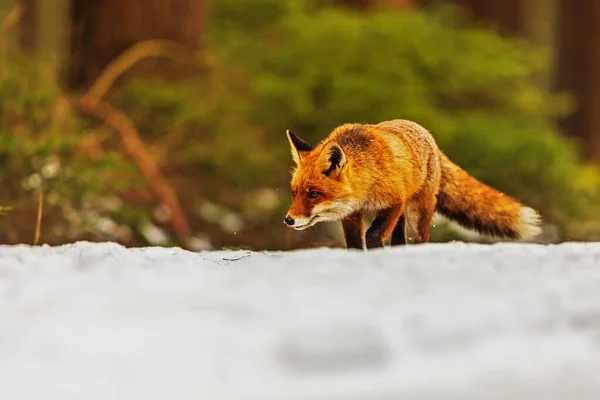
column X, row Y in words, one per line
column 453, row 321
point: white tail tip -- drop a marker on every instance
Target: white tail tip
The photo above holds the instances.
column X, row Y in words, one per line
column 529, row 224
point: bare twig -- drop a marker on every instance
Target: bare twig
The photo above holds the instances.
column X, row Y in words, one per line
column 38, row 225
column 134, row 146
column 246, row 254
column 131, row 56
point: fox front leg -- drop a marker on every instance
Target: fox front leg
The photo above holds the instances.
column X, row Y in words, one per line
column 354, row 231
column 399, row 233
column 382, row 226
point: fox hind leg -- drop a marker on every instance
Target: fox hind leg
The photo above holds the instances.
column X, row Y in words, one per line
column 354, row 231
column 422, row 209
column 382, row 226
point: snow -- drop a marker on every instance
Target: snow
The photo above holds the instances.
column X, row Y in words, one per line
column 438, row 321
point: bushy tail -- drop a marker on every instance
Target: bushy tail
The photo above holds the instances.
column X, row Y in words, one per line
column 477, row 206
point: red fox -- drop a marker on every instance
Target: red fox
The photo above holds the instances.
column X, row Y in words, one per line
column 396, row 171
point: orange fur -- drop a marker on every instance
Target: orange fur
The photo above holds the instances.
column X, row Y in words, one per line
column 395, row 170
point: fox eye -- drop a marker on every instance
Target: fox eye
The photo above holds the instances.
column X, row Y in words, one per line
column 313, row 195
column 293, row 194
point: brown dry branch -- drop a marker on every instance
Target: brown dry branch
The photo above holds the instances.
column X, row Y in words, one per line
column 131, row 56
column 91, row 104
column 38, row 224
column 134, row 146
column 11, row 20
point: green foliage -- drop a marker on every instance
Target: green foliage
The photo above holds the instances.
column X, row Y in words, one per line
column 312, row 69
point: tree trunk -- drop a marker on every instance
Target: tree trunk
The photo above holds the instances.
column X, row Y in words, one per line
column 578, row 70
column 28, row 26
column 103, row 29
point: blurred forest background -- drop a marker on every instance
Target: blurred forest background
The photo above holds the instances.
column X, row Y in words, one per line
column 162, row 122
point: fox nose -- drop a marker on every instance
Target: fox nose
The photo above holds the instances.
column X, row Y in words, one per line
column 289, row 220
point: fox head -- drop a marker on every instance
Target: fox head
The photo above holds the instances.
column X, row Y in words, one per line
column 319, row 184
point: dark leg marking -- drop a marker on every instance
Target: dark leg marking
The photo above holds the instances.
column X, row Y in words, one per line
column 353, row 231
column 399, row 233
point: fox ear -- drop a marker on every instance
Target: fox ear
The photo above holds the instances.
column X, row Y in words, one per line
column 298, row 146
column 333, row 160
